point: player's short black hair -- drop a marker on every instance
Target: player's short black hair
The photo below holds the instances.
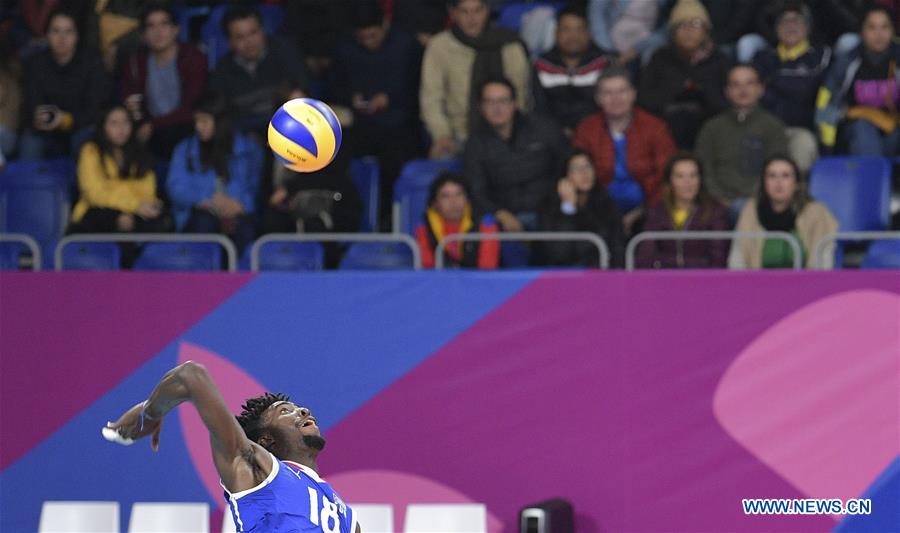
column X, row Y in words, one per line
column 250, row 418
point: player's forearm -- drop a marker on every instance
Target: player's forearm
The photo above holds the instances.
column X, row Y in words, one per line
column 175, row 388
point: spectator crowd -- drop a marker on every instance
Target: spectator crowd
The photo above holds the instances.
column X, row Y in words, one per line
column 602, row 116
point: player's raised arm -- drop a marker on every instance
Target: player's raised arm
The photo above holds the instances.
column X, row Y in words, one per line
column 240, row 462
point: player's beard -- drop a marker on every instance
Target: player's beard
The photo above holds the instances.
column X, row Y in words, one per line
column 316, row 442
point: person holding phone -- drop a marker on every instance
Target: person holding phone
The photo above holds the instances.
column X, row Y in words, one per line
column 64, row 88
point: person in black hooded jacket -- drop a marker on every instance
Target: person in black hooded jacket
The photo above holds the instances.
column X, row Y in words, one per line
column 580, row 203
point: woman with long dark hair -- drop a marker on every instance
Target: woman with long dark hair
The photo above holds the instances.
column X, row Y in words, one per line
column 580, row 203
column 782, row 204
column 215, row 175
column 686, row 206
column 116, row 181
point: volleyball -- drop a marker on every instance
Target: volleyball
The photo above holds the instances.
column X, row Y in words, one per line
column 304, row 134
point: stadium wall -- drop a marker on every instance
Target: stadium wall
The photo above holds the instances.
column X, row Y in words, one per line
column 651, row 401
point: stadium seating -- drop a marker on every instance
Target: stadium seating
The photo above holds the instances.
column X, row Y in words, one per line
column 15, row 254
column 411, row 190
column 882, row 254
column 366, row 177
column 91, row 256
column 374, row 518
column 34, row 200
column 446, row 518
column 172, row 517
column 855, row 189
column 71, row 517
column 511, row 14
column 291, row 256
column 377, row 256
column 192, row 256
column 213, row 36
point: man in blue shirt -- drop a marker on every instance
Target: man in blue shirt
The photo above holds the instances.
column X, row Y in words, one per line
column 266, row 457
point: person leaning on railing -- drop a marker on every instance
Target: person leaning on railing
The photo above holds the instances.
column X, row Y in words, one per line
column 450, row 212
column 782, row 204
column 686, row 206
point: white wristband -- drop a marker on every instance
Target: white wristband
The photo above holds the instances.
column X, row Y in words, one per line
column 568, row 208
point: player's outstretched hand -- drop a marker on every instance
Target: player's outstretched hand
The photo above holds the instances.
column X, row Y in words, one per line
column 134, row 425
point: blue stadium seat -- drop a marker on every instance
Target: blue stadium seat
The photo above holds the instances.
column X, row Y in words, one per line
column 510, row 15
column 213, row 36
column 184, row 16
column 92, row 256
column 34, row 199
column 366, row 175
column 377, row 256
column 411, row 189
column 193, row 256
column 291, row 256
column 11, row 254
column 883, row 254
column 855, row 189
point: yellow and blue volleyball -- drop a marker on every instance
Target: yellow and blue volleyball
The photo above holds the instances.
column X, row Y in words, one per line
column 304, row 135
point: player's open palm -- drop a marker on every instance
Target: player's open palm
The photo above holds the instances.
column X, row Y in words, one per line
column 133, row 425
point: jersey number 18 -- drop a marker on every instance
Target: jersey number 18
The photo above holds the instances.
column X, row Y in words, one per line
column 326, row 516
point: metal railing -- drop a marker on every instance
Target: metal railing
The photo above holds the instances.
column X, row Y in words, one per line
column 335, row 237
column 711, row 236
column 849, row 236
column 593, row 238
column 224, row 242
column 30, row 243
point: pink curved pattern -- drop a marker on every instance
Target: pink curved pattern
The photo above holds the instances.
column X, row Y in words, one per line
column 815, row 397
column 236, row 386
column 399, row 489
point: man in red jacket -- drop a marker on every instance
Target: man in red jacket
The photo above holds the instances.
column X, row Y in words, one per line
column 629, row 146
column 162, row 81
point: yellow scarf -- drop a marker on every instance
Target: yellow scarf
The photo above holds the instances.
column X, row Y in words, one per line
column 436, row 221
column 790, row 54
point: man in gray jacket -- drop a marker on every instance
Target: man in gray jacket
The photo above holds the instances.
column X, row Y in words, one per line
column 734, row 144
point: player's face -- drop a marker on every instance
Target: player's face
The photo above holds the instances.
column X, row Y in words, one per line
column 291, row 419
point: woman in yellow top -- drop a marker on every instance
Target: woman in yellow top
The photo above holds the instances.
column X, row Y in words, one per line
column 116, row 181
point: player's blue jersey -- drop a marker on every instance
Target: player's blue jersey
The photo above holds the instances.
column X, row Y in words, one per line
column 293, row 498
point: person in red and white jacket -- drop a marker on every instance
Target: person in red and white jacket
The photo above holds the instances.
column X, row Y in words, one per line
column 565, row 76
